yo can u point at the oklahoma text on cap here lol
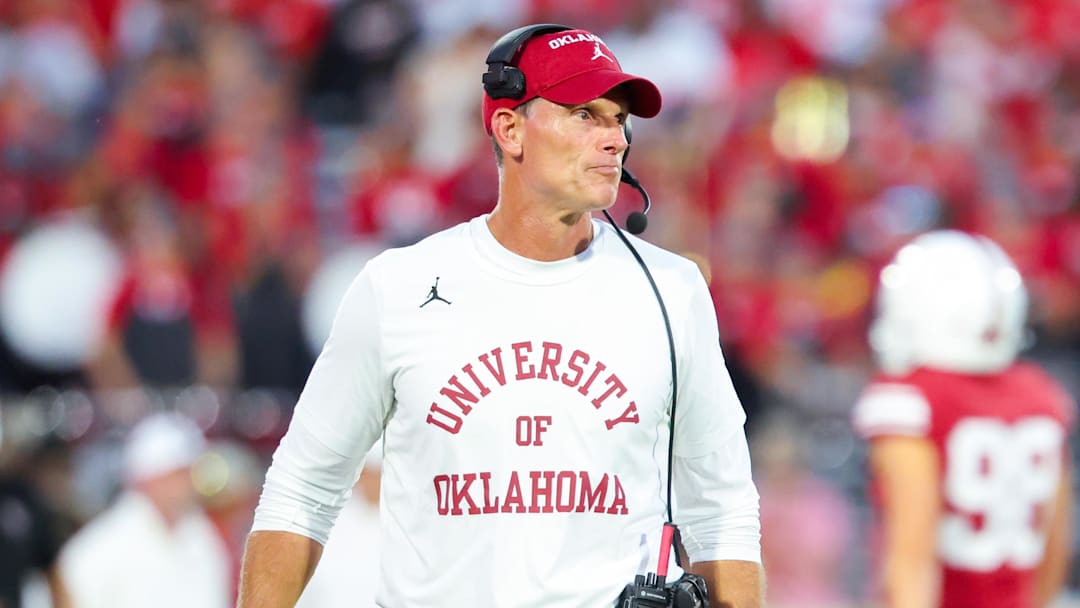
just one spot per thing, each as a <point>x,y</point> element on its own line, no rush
<point>573,67</point>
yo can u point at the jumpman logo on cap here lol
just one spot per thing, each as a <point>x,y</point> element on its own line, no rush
<point>434,295</point>
<point>598,52</point>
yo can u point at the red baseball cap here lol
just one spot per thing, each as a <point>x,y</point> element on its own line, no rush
<point>572,67</point>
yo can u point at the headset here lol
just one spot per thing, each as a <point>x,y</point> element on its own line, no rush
<point>503,80</point>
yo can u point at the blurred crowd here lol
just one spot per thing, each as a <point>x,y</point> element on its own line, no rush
<point>212,159</point>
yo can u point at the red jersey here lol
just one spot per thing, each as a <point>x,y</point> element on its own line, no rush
<point>1001,441</point>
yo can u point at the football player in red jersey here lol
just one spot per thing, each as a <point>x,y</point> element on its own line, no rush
<point>968,446</point>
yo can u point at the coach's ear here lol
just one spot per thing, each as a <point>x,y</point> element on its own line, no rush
<point>506,128</point>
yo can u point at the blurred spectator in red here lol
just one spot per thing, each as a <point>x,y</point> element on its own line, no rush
<point>397,200</point>
<point>765,55</point>
<point>161,328</point>
<point>1056,280</point>
<point>154,546</point>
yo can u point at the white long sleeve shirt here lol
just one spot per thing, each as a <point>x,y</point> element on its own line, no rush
<point>524,417</point>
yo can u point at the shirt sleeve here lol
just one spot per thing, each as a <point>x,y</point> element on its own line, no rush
<point>708,408</point>
<point>716,501</point>
<point>889,408</point>
<point>339,416</point>
<point>717,505</point>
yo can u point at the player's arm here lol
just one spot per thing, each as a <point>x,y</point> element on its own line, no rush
<point>1050,575</point>
<point>907,470</point>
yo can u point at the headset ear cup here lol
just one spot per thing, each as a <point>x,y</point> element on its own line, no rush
<point>494,80</point>
<point>514,82</point>
<point>502,79</point>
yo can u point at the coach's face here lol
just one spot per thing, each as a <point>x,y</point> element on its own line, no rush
<point>572,154</point>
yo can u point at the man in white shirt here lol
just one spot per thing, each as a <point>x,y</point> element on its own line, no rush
<point>516,367</point>
<point>153,546</point>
